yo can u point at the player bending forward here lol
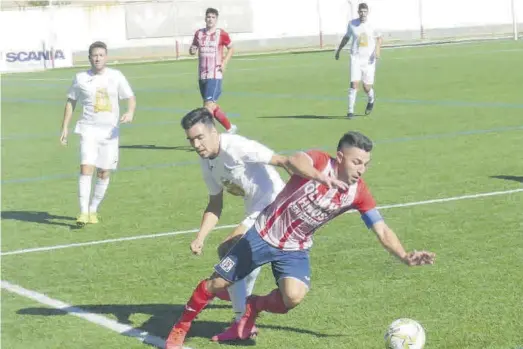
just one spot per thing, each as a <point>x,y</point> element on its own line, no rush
<point>321,189</point>
<point>242,167</point>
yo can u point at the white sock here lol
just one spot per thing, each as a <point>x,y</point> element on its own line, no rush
<point>371,95</point>
<point>99,192</point>
<point>251,279</point>
<point>238,294</point>
<point>352,99</point>
<point>84,192</point>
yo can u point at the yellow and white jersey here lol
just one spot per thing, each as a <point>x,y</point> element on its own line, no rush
<point>364,37</point>
<point>99,95</point>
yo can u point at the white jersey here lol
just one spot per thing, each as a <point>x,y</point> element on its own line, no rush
<point>363,37</point>
<point>100,94</point>
<point>242,169</point>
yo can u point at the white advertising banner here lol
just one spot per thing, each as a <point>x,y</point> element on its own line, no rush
<point>34,59</point>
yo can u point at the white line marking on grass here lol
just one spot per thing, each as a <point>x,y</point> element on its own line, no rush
<point>149,236</point>
<point>99,242</point>
<point>113,325</point>
<point>155,76</point>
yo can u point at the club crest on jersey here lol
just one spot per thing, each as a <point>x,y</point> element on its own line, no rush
<point>233,188</point>
<point>227,264</point>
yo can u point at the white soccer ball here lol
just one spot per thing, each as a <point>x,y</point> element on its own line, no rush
<point>405,334</point>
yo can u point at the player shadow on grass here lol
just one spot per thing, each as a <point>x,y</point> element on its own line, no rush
<point>156,147</point>
<point>308,116</point>
<point>509,178</point>
<point>40,217</point>
<point>162,318</point>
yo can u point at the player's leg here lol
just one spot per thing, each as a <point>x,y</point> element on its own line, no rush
<point>237,263</point>
<point>106,162</point>
<point>225,246</point>
<point>355,78</point>
<point>368,86</point>
<point>201,296</point>
<point>292,272</point>
<point>212,92</point>
<point>88,155</point>
<point>241,289</point>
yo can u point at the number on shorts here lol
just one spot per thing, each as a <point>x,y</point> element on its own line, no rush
<point>103,102</point>
<point>363,40</point>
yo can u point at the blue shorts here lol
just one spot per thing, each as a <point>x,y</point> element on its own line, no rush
<point>210,89</point>
<point>251,252</point>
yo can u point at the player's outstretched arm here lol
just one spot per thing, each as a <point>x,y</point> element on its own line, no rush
<point>210,218</point>
<point>390,241</point>
<point>300,164</point>
<point>68,114</point>
<point>281,161</point>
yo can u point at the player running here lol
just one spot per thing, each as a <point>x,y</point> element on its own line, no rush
<point>209,43</point>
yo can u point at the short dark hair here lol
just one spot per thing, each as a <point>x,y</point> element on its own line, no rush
<point>363,6</point>
<point>97,44</point>
<point>211,10</point>
<point>355,139</point>
<point>196,116</point>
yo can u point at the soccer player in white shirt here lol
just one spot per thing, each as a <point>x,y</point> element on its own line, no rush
<point>98,90</point>
<point>365,51</point>
<point>242,167</point>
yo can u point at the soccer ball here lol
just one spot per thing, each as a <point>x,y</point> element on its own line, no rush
<point>405,334</point>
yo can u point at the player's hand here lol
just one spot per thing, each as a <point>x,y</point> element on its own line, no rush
<point>331,182</point>
<point>192,49</point>
<point>337,55</point>
<point>63,136</point>
<point>197,246</point>
<point>420,258</point>
<point>126,118</point>
<point>223,67</point>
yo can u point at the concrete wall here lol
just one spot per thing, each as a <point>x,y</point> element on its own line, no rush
<point>277,24</point>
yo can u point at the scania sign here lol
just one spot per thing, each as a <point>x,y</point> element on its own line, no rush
<point>24,56</point>
<point>31,59</point>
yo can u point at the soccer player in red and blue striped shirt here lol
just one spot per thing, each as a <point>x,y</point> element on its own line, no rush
<point>210,42</point>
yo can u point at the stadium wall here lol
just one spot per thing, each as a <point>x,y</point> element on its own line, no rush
<point>272,25</point>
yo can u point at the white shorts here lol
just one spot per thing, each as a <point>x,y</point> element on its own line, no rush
<point>258,204</point>
<point>250,219</point>
<point>362,70</point>
<point>99,149</point>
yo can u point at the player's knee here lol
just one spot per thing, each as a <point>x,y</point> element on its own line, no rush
<point>367,87</point>
<point>354,84</point>
<point>210,105</point>
<point>292,297</point>
<point>216,283</point>
<point>103,174</point>
<point>87,170</point>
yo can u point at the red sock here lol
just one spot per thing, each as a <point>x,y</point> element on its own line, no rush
<point>199,299</point>
<point>273,303</point>
<point>222,118</point>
